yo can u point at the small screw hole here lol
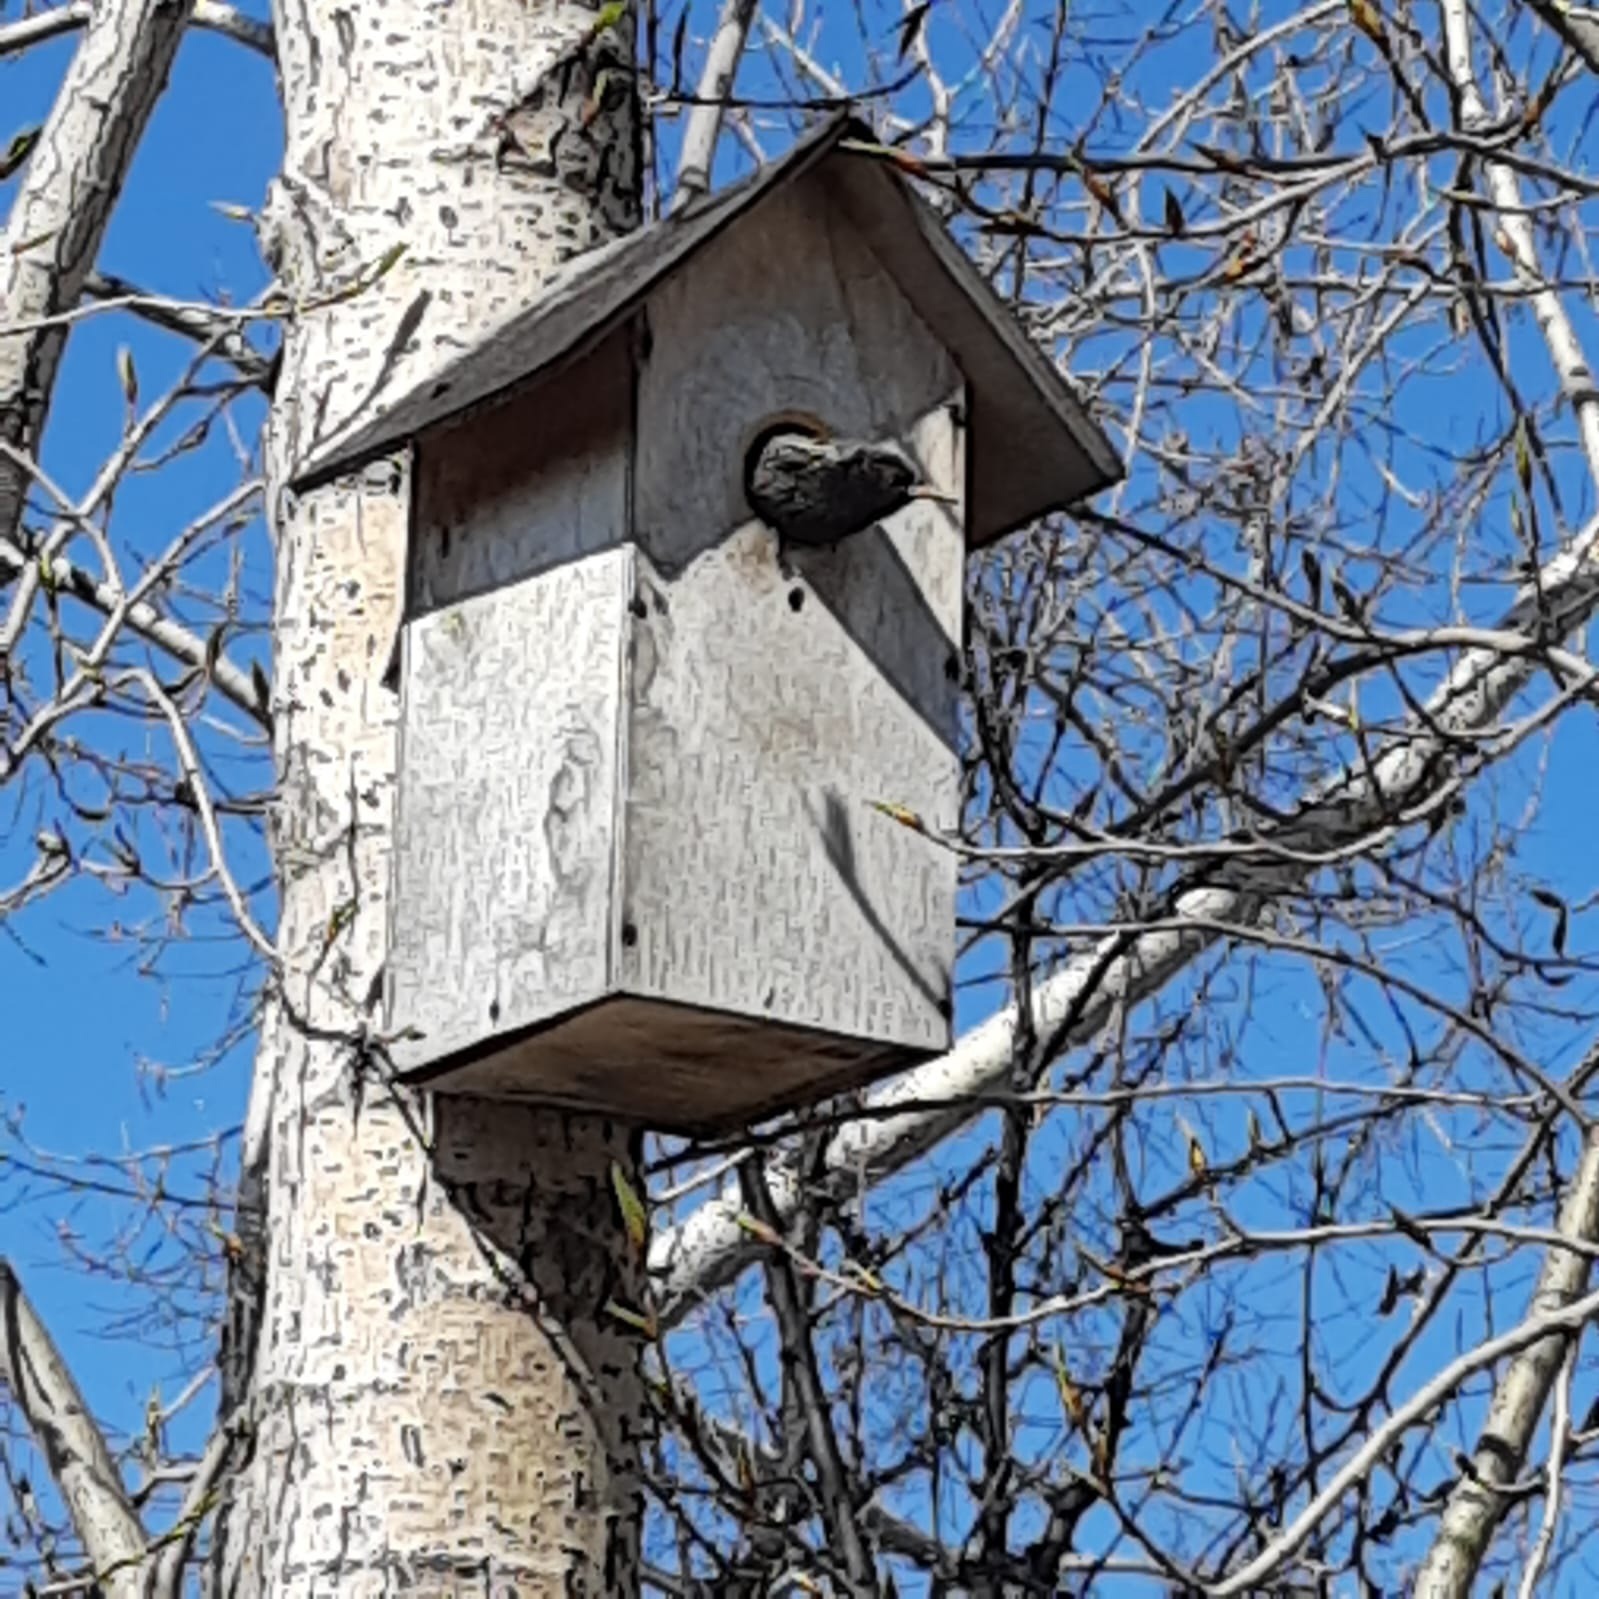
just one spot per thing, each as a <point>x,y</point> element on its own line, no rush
<point>629,934</point>
<point>494,1010</point>
<point>796,599</point>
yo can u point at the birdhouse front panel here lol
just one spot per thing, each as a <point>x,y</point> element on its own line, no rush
<point>506,822</point>
<point>511,683</point>
<point>779,690</point>
<point>525,486</point>
<point>759,878</point>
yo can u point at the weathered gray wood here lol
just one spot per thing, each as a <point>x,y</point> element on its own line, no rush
<point>790,313</point>
<point>638,866</point>
<point>508,796</point>
<point>1034,448</point>
<point>659,888</point>
<point>669,1066</point>
<point>521,487</point>
<point>769,708</point>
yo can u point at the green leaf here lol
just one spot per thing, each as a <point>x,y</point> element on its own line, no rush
<point>758,1229</point>
<point>643,1321</point>
<point>387,262</point>
<point>902,814</point>
<point>1523,456</point>
<point>609,15</point>
<point>18,150</point>
<point>635,1218</point>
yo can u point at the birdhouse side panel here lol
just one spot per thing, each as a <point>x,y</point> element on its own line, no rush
<point>526,484</point>
<point>907,564</point>
<point>771,704</point>
<point>787,314</point>
<point>508,800</point>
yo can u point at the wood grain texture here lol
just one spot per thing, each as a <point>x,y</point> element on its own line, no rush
<point>638,868</point>
<point>524,486</point>
<point>506,823</point>
<point>771,703</point>
<point>789,312</point>
<point>674,1067</point>
<point>1036,449</point>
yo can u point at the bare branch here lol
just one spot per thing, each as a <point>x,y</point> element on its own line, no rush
<point>1541,1327</point>
<point>192,322</point>
<point>709,1248</point>
<point>189,761</point>
<point>704,122</point>
<point>212,15</point>
<point>177,1545</point>
<point>1575,373</point>
<point>142,618</point>
<point>1577,25</point>
<point>1475,1506</point>
<point>1559,1438</point>
<point>72,182</point>
<point>79,1460</point>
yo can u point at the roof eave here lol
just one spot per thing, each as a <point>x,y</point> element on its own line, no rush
<point>1040,421</point>
<point>694,228</point>
<point>1034,408</point>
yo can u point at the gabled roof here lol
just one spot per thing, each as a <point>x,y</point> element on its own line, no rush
<point>1033,448</point>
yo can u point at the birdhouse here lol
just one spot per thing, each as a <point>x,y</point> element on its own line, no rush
<point>680,659</point>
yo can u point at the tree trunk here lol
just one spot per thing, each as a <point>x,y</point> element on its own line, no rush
<point>432,1391</point>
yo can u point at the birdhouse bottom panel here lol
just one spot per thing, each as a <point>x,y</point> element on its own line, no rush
<point>668,1066</point>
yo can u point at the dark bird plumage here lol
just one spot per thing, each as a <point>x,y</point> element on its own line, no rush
<point>812,490</point>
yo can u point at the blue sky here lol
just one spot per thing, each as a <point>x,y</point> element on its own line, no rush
<point>80,1021</point>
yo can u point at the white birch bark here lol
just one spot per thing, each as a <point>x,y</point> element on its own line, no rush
<point>227,20</point>
<point>1474,1508</point>
<point>704,123</point>
<point>73,178</point>
<point>436,1395</point>
<point>69,1438</point>
<point>1473,1512</point>
<point>52,235</point>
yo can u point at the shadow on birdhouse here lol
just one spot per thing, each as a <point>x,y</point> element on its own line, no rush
<point>684,597</point>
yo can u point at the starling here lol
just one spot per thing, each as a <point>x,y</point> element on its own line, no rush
<point>814,490</point>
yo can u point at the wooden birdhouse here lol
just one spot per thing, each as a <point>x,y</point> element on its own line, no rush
<point>637,867</point>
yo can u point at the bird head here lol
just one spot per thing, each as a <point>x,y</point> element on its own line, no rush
<point>812,488</point>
